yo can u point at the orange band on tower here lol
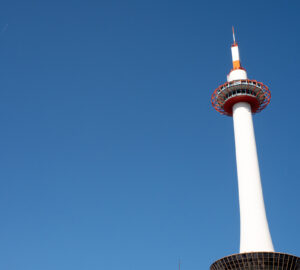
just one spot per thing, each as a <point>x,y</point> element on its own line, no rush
<point>236,64</point>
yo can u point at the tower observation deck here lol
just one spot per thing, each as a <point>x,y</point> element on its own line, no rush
<point>240,97</point>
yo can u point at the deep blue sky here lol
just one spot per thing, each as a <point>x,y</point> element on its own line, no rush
<point>111,154</point>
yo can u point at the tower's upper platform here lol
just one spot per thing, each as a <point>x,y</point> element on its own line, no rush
<point>239,88</point>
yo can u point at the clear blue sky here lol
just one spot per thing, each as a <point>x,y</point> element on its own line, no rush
<point>111,154</point>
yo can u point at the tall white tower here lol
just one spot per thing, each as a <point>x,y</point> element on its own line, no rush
<point>240,97</point>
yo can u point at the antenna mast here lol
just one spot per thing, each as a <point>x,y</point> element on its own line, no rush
<point>233,35</point>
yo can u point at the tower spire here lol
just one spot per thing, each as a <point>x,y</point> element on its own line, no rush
<point>235,53</point>
<point>233,35</point>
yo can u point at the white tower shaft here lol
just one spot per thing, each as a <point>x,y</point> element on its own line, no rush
<point>254,229</point>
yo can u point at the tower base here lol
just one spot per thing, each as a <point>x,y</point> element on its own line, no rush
<point>258,261</point>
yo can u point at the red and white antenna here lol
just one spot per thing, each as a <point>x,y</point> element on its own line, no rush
<point>236,62</point>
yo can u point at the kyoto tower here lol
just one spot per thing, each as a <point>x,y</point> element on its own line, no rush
<point>240,97</point>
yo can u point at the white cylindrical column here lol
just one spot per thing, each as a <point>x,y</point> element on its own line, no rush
<point>255,234</point>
